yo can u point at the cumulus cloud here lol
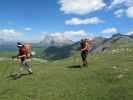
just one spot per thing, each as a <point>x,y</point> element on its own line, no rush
<point>129,12</point>
<point>116,3</point>
<point>72,35</point>
<point>81,7</point>
<point>119,13</point>
<point>9,34</point>
<point>128,4</point>
<point>77,21</point>
<point>28,29</point>
<point>110,30</point>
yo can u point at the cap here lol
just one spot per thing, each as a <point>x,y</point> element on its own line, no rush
<point>19,44</point>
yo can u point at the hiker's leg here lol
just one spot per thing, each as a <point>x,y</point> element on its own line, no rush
<point>83,58</point>
<point>87,53</point>
<point>20,69</point>
<point>28,66</point>
<point>85,61</point>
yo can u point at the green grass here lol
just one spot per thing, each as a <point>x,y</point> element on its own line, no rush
<point>7,53</point>
<point>108,77</point>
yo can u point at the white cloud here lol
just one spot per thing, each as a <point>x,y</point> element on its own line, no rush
<point>110,30</point>
<point>116,2</point>
<point>28,29</point>
<point>129,12</point>
<point>77,21</point>
<point>126,3</point>
<point>81,7</point>
<point>130,33</point>
<point>9,34</point>
<point>119,13</point>
<point>72,35</point>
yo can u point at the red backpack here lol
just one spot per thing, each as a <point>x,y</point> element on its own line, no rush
<point>28,47</point>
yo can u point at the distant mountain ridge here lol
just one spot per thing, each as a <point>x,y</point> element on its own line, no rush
<point>116,41</point>
<point>99,45</point>
<point>58,48</point>
<point>7,45</point>
<point>11,45</point>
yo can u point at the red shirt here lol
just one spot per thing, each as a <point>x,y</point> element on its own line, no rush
<point>23,51</point>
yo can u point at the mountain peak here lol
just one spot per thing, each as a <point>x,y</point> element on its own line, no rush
<point>131,35</point>
<point>117,35</point>
<point>51,40</point>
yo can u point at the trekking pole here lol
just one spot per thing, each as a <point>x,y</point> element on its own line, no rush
<point>11,71</point>
<point>16,60</point>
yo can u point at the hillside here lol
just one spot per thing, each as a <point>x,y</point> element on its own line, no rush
<point>108,77</point>
<point>56,53</point>
<point>117,41</point>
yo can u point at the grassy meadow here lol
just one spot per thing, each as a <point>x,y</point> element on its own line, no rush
<point>108,77</point>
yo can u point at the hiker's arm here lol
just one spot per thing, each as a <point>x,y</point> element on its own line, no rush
<point>13,57</point>
<point>83,49</point>
<point>21,56</point>
<point>17,56</point>
<point>86,47</point>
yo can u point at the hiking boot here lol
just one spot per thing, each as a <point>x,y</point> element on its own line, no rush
<point>17,76</point>
<point>85,65</point>
<point>30,72</point>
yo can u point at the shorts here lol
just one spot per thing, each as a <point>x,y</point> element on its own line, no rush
<point>84,55</point>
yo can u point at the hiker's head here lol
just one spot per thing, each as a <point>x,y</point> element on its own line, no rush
<point>86,40</point>
<point>20,45</point>
<point>82,40</point>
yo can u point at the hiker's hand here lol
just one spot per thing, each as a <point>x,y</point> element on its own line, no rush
<point>81,50</point>
<point>13,57</point>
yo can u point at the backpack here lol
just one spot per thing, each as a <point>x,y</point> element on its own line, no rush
<point>89,45</point>
<point>28,47</point>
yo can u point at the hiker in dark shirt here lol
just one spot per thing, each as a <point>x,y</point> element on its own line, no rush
<point>85,45</point>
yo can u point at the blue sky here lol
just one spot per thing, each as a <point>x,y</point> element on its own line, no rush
<point>33,19</point>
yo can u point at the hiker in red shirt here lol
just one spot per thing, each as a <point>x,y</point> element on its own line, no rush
<point>22,55</point>
<point>84,48</point>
